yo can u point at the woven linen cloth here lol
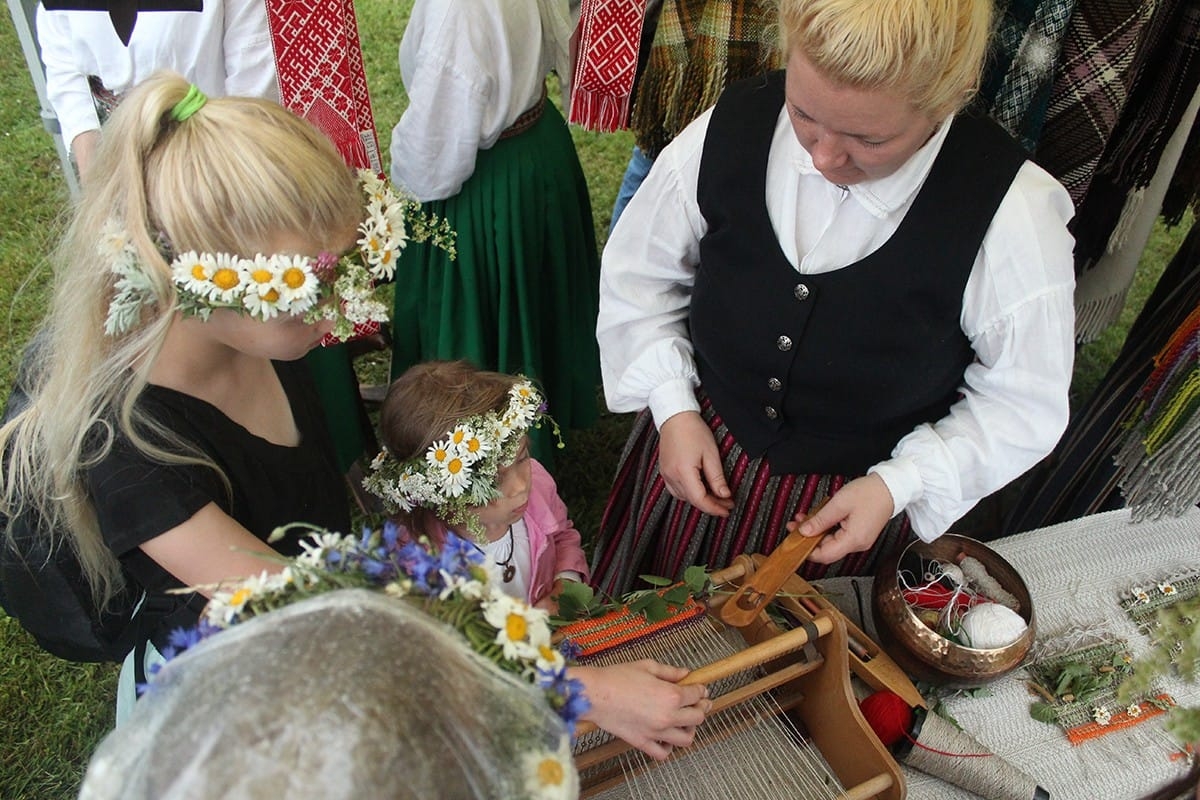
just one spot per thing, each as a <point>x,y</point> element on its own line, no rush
<point>1076,573</point>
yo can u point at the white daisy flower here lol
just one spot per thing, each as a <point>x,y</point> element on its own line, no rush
<point>1133,710</point>
<point>511,619</point>
<point>464,586</point>
<point>226,280</point>
<point>1141,596</point>
<point>226,604</point>
<point>193,272</point>
<point>454,475</point>
<point>550,658</point>
<point>551,775</point>
<point>374,235</point>
<point>262,307</point>
<point>298,284</point>
<point>1101,715</point>
<point>1167,588</point>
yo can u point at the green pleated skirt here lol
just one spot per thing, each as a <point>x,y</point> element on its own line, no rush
<point>523,292</point>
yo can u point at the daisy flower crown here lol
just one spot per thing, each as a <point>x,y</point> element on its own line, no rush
<point>458,472</point>
<point>266,286</point>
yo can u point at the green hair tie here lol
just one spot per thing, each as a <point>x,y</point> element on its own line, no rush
<point>190,104</point>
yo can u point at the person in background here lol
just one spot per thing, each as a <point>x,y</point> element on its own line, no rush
<point>223,46</point>
<point>833,284</point>
<point>691,50</point>
<point>482,146</point>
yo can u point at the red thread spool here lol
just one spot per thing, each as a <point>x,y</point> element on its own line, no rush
<point>888,715</point>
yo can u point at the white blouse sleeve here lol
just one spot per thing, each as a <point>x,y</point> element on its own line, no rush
<point>249,55</point>
<point>435,143</point>
<point>1018,313</point>
<point>66,85</point>
<point>646,276</point>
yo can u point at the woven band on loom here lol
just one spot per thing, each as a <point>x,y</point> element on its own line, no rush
<point>624,628</point>
<point>1119,721</point>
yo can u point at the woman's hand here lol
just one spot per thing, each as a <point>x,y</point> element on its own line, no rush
<point>691,465</point>
<point>641,703</point>
<point>854,518</point>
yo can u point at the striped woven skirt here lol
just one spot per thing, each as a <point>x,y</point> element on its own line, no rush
<point>646,531</point>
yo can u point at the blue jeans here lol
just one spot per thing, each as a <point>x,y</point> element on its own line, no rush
<point>635,173</point>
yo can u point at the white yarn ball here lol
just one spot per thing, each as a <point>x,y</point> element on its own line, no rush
<point>990,625</point>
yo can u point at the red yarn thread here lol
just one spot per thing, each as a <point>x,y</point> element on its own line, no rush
<point>892,720</point>
<point>888,715</point>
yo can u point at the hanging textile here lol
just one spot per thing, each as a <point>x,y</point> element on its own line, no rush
<point>1021,66</point>
<point>1127,74</point>
<point>1167,77</point>
<point>1184,191</point>
<point>1080,476</point>
<point>1160,470</point>
<point>1101,290</point>
<point>1095,74</point>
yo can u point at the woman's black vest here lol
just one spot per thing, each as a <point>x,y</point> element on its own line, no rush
<point>826,373</point>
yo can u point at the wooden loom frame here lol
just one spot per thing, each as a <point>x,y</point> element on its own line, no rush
<point>817,691</point>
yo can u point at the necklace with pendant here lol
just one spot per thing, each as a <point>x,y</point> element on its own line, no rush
<point>509,568</point>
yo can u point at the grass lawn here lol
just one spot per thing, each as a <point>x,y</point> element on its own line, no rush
<point>54,712</point>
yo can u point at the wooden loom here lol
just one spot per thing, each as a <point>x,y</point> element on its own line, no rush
<point>785,720</point>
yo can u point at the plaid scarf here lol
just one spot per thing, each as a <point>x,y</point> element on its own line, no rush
<point>1096,72</point>
<point>700,47</point>
<point>609,33</point>
<point>1015,89</point>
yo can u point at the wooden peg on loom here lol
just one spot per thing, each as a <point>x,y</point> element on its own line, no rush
<point>760,589</point>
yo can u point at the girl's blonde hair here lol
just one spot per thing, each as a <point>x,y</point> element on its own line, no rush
<point>229,178</point>
<point>424,404</point>
<point>930,52</point>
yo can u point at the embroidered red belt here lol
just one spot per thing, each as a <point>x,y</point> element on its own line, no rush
<point>527,119</point>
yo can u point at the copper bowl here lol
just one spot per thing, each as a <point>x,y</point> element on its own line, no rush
<point>923,652</point>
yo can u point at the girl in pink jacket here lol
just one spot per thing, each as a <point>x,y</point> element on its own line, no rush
<point>457,458</point>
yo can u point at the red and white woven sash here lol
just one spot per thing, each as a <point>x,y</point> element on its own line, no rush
<point>609,35</point>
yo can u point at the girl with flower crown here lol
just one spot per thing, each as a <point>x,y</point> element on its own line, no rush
<point>457,459</point>
<point>170,427</point>
<point>461,462</point>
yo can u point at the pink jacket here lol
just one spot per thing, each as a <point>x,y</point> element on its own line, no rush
<point>554,544</point>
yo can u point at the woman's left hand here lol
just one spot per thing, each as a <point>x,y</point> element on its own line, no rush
<point>853,517</point>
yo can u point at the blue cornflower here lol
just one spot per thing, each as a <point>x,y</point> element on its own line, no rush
<point>391,536</point>
<point>566,695</point>
<point>570,649</point>
<point>458,555</point>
